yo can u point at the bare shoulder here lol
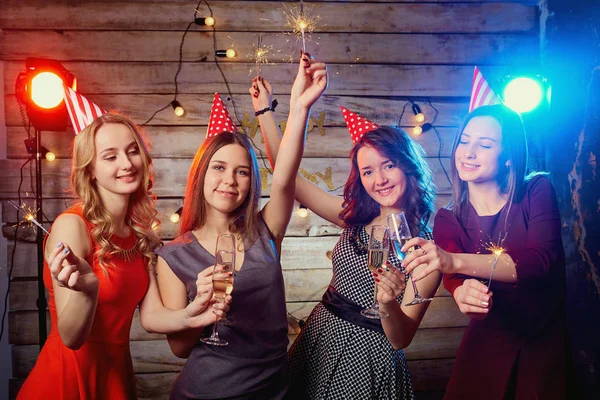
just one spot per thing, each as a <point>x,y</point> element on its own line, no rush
<point>70,229</point>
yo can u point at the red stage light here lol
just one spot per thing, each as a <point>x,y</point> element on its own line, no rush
<point>47,90</point>
<point>41,90</point>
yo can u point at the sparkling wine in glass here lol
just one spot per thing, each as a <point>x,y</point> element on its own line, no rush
<point>379,247</point>
<point>222,280</point>
<point>400,234</point>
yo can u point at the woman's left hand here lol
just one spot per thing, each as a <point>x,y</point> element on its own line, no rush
<point>310,82</point>
<point>262,93</point>
<point>430,254</point>
<point>390,283</point>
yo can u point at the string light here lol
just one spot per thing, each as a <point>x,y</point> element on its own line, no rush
<point>419,116</point>
<point>176,215</point>
<point>417,130</point>
<point>207,21</point>
<point>50,156</point>
<point>229,53</point>
<point>177,108</point>
<point>302,211</point>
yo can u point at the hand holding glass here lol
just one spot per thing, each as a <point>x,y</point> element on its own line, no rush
<point>400,234</point>
<point>379,247</point>
<point>223,272</point>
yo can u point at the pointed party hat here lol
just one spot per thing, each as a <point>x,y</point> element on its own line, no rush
<point>220,120</point>
<point>482,93</point>
<point>81,111</point>
<point>357,125</point>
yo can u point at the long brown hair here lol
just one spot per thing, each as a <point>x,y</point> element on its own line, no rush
<point>141,214</point>
<point>360,208</point>
<point>245,217</point>
<point>511,178</point>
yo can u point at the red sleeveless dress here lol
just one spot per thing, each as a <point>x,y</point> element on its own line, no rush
<point>102,368</point>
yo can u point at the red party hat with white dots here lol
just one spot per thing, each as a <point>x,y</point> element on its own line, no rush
<point>357,125</point>
<point>220,120</point>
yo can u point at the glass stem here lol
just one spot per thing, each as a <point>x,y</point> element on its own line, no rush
<point>215,334</point>
<point>414,285</point>
<point>375,302</point>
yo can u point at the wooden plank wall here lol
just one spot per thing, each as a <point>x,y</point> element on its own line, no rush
<point>380,54</point>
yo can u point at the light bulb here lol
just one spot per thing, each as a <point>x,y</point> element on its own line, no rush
<point>230,53</point>
<point>417,130</point>
<point>50,156</point>
<point>174,218</point>
<point>420,117</point>
<point>209,21</point>
<point>302,211</point>
<point>177,108</point>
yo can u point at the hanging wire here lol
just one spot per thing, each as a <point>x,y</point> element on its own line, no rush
<point>437,133</point>
<point>14,249</point>
<point>179,64</point>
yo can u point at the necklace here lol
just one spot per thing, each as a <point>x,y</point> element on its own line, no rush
<point>127,254</point>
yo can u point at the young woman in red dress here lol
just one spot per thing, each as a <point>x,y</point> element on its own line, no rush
<point>100,265</point>
<point>517,333</point>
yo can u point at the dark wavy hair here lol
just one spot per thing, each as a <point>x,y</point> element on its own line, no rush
<point>512,178</point>
<point>359,208</point>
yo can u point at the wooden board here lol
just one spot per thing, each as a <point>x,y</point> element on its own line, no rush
<point>383,111</point>
<point>233,16</point>
<point>183,141</point>
<point>301,285</point>
<point>170,176</point>
<point>155,356</point>
<point>299,227</point>
<point>345,79</point>
<point>442,313</point>
<point>348,48</point>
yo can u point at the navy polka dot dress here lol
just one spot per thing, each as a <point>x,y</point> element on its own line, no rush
<point>335,359</point>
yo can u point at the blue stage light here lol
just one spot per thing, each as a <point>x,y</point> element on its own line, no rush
<point>523,94</point>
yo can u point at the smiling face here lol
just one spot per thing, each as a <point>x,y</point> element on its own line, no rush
<point>228,178</point>
<point>478,154</point>
<point>385,182</point>
<point>117,167</point>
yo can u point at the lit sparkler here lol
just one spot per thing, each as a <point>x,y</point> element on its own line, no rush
<point>497,250</point>
<point>301,22</point>
<point>261,55</point>
<point>28,215</point>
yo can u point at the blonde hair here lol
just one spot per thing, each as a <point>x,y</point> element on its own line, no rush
<point>141,214</point>
<point>245,217</point>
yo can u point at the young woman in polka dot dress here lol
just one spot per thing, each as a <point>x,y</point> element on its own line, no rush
<point>340,354</point>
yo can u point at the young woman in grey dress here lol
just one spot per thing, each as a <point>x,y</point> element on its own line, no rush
<point>339,354</point>
<point>222,196</point>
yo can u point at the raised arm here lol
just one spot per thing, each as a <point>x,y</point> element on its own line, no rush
<point>74,284</point>
<point>309,84</point>
<point>319,201</point>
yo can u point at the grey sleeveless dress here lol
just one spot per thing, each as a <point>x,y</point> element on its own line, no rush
<point>253,365</point>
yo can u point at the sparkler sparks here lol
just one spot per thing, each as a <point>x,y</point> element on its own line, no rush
<point>301,23</point>
<point>28,215</point>
<point>497,250</point>
<point>261,55</point>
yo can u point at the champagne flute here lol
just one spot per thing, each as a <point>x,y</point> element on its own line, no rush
<point>379,247</point>
<point>222,280</point>
<point>400,235</point>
